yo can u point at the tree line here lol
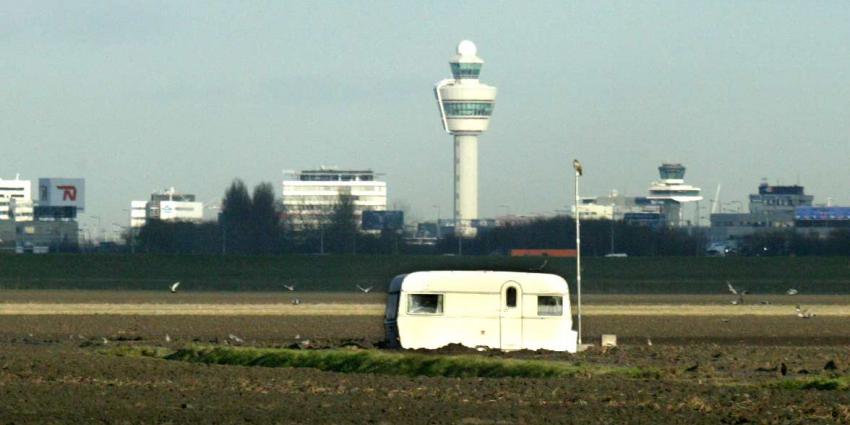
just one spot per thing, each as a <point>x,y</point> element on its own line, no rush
<point>255,223</point>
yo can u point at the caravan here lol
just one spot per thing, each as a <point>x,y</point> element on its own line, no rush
<point>501,310</point>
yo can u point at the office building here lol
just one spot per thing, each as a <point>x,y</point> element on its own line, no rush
<point>310,197</point>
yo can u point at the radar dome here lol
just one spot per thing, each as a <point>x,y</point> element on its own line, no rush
<point>466,48</point>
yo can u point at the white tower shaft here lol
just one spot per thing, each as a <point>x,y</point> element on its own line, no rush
<point>466,181</point>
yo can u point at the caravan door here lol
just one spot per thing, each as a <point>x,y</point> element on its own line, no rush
<point>510,316</point>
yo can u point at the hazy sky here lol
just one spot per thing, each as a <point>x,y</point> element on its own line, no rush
<point>138,96</point>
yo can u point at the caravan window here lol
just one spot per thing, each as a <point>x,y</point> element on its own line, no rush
<point>548,305</point>
<point>425,303</point>
<point>510,297</point>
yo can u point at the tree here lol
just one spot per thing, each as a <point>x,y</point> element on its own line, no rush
<point>235,219</point>
<point>341,231</point>
<point>265,219</point>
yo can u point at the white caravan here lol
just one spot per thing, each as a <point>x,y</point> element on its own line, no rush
<point>503,310</point>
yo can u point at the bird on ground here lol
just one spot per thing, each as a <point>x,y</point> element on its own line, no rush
<point>167,338</point>
<point>364,290</point>
<point>296,301</point>
<point>783,369</point>
<point>104,340</point>
<point>235,338</point>
<point>289,287</point>
<point>804,313</point>
<point>648,342</point>
<point>791,291</point>
<point>540,267</point>
<point>174,286</point>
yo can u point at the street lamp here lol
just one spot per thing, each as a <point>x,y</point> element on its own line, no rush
<point>579,172</point>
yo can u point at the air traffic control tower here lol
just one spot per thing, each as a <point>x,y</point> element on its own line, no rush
<point>465,108</point>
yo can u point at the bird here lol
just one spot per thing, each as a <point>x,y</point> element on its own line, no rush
<point>540,267</point>
<point>296,301</point>
<point>235,338</point>
<point>791,291</point>
<point>577,167</point>
<point>804,313</point>
<point>648,342</point>
<point>739,292</point>
<point>167,338</point>
<point>289,287</point>
<point>174,286</point>
<point>364,290</point>
<point>783,369</point>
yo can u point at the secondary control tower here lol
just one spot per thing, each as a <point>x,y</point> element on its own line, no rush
<point>465,108</point>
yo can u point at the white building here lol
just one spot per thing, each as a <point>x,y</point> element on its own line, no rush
<point>16,199</point>
<point>465,108</point>
<point>167,206</point>
<point>672,192</point>
<point>310,197</point>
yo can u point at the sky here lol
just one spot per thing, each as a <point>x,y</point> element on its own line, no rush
<point>138,96</point>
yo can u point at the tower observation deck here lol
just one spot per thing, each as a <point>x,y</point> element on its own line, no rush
<point>465,109</point>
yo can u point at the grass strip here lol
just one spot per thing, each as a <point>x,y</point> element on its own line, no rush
<point>374,361</point>
<point>821,383</point>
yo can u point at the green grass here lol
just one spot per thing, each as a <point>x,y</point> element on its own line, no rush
<point>650,275</point>
<point>817,383</point>
<point>374,361</point>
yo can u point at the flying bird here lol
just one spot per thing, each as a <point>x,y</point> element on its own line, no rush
<point>804,313</point>
<point>174,286</point>
<point>289,287</point>
<point>235,338</point>
<point>364,290</point>
<point>540,267</point>
<point>577,167</point>
<point>739,292</point>
<point>791,291</point>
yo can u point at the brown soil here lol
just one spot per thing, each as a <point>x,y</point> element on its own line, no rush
<point>713,371</point>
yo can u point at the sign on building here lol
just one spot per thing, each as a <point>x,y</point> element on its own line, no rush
<point>62,192</point>
<point>382,220</point>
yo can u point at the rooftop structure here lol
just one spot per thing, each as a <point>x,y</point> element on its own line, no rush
<point>671,192</point>
<point>465,109</point>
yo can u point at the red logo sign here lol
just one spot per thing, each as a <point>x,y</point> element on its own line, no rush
<point>69,193</point>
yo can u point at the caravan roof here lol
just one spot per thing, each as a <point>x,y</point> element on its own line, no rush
<point>477,281</point>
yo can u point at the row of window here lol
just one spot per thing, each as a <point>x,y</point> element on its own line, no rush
<point>466,70</point>
<point>547,305</point>
<point>468,109</point>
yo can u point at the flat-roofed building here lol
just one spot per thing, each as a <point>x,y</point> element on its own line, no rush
<point>15,194</point>
<point>168,205</point>
<point>310,197</point>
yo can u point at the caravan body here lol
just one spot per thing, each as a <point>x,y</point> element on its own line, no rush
<point>501,310</point>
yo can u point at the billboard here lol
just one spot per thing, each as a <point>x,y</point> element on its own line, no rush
<point>176,210</point>
<point>62,192</point>
<point>382,220</point>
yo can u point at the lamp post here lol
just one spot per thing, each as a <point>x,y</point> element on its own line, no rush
<point>579,172</point>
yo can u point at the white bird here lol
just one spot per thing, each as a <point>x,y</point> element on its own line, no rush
<point>235,338</point>
<point>803,313</point>
<point>791,291</point>
<point>174,286</point>
<point>540,267</point>
<point>105,341</point>
<point>167,338</point>
<point>739,292</point>
<point>648,342</point>
<point>364,290</point>
<point>289,287</point>
<point>296,301</point>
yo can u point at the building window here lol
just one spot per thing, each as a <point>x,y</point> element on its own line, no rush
<point>548,305</point>
<point>466,70</point>
<point>468,109</point>
<point>510,297</point>
<point>425,303</point>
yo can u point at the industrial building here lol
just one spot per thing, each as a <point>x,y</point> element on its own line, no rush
<point>773,207</point>
<point>465,109</point>
<point>310,197</point>
<point>46,224</point>
<point>168,205</point>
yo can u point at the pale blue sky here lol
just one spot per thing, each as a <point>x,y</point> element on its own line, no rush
<point>138,96</point>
